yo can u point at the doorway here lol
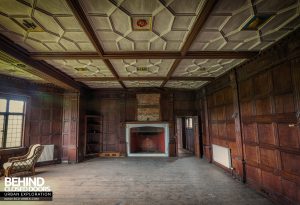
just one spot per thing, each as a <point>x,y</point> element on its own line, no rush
<point>188,136</point>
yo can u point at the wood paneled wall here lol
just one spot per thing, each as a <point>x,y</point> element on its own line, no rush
<point>254,110</point>
<point>119,107</point>
<point>43,115</point>
<point>70,130</point>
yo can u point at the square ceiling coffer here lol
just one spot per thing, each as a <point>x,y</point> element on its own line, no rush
<point>141,23</point>
<point>257,22</point>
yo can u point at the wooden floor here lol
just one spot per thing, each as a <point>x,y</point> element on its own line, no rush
<point>141,181</point>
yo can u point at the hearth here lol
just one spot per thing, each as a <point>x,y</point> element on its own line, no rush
<point>148,139</point>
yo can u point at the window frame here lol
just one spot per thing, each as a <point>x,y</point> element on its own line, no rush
<point>6,115</point>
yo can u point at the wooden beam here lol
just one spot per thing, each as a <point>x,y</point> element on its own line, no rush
<point>38,68</point>
<point>114,72</point>
<point>145,55</point>
<point>85,24</point>
<point>144,78</point>
<point>220,54</point>
<point>142,55</point>
<point>64,55</point>
<point>171,71</point>
<point>209,4</point>
<point>193,78</point>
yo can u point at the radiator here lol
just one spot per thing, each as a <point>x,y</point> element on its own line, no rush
<point>47,154</point>
<point>221,155</point>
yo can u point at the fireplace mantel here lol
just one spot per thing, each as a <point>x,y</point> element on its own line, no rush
<point>165,140</point>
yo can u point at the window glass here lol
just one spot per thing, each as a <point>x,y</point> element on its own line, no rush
<point>16,106</point>
<point>14,131</point>
<point>3,105</point>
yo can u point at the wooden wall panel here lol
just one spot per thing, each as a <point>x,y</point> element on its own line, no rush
<point>271,136</point>
<point>70,128</point>
<point>119,107</point>
<point>266,112</point>
<point>43,116</point>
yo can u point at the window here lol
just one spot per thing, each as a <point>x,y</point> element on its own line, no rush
<point>189,122</point>
<point>12,112</point>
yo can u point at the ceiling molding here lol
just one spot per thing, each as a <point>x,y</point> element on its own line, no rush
<point>145,55</point>
<point>144,78</point>
<point>209,4</point>
<point>85,24</point>
<point>39,68</point>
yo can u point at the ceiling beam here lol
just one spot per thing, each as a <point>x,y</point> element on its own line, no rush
<point>207,8</point>
<point>209,4</point>
<point>84,79</point>
<point>88,29</point>
<point>114,72</point>
<point>85,24</point>
<point>145,55</point>
<point>38,68</point>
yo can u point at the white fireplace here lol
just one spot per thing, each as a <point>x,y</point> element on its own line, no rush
<point>147,139</point>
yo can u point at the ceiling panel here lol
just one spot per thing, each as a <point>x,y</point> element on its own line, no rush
<point>224,28</point>
<point>169,22</point>
<point>184,84</point>
<point>142,67</point>
<point>11,67</point>
<point>103,84</point>
<point>142,84</point>
<point>82,68</point>
<point>53,26</point>
<point>205,67</point>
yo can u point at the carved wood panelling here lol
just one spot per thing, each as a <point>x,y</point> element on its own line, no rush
<point>271,143</point>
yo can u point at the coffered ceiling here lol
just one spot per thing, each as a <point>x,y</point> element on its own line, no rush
<point>12,67</point>
<point>170,23</point>
<point>57,30</point>
<point>142,67</point>
<point>224,28</point>
<point>139,43</point>
<point>205,67</point>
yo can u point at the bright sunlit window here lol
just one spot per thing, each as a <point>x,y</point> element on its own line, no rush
<point>12,112</point>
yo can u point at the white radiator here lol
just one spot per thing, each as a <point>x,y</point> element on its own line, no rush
<point>47,154</point>
<point>221,155</point>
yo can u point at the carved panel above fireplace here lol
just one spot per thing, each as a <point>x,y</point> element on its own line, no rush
<point>148,108</point>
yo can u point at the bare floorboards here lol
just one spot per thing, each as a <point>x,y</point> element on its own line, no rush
<point>143,181</point>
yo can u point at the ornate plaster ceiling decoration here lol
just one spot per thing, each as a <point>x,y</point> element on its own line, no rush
<point>82,68</point>
<point>103,84</point>
<point>142,84</point>
<point>205,67</point>
<point>224,28</point>
<point>142,67</point>
<point>172,20</point>
<point>42,26</point>
<point>185,84</point>
<point>11,67</point>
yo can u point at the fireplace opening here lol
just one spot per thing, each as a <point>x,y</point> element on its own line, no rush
<point>147,139</point>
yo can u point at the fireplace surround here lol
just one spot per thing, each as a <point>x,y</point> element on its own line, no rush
<point>147,139</point>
